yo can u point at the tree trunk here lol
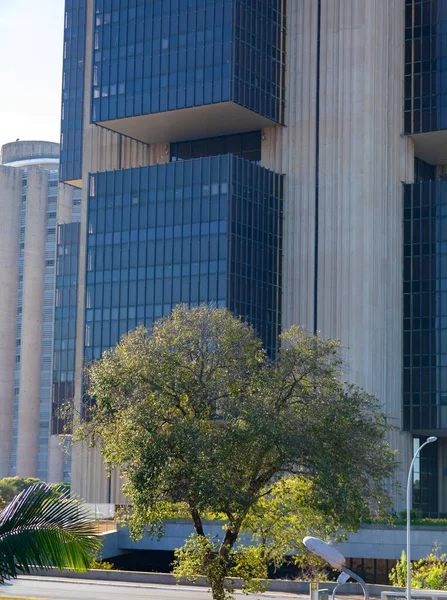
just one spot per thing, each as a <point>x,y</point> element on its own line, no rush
<point>219,567</point>
<point>218,588</point>
<point>197,521</point>
<point>217,563</point>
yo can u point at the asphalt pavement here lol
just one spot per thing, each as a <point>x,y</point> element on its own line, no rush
<point>76,589</point>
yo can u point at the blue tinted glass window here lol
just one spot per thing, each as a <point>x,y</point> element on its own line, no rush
<point>189,54</point>
<point>73,90</point>
<point>196,211</point>
<point>425,66</point>
<point>65,321</point>
<point>246,145</point>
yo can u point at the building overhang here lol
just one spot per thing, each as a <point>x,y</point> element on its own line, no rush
<point>77,183</point>
<point>197,122</point>
<point>431,147</point>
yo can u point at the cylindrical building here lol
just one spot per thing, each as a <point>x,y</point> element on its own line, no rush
<point>29,191</point>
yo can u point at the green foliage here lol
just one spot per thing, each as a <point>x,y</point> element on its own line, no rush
<point>196,412</point>
<point>425,521</point>
<point>429,573</point>
<point>280,519</point>
<point>101,564</point>
<point>415,515</point>
<point>11,486</point>
<point>401,519</point>
<point>42,527</point>
<point>398,574</point>
<point>200,555</point>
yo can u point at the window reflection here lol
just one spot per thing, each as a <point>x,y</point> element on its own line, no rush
<point>218,241</point>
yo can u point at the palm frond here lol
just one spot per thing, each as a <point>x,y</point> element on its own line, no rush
<point>43,527</point>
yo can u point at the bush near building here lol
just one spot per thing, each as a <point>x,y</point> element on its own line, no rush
<point>429,573</point>
<point>11,486</point>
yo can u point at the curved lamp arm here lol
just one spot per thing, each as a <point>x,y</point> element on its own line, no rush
<point>430,440</point>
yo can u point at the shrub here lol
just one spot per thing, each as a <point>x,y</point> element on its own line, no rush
<point>101,564</point>
<point>11,486</point>
<point>398,575</point>
<point>429,573</point>
<point>415,515</point>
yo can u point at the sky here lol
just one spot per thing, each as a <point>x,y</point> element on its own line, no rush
<point>31,40</point>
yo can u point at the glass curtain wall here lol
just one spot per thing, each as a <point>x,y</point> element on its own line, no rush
<point>206,230</point>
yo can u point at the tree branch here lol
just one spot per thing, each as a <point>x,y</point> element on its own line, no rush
<point>196,520</point>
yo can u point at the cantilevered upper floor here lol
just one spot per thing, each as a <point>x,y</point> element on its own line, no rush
<point>168,71</point>
<point>176,70</point>
<point>425,106</point>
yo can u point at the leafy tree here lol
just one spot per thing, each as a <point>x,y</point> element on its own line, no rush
<point>43,527</point>
<point>11,486</point>
<point>197,412</point>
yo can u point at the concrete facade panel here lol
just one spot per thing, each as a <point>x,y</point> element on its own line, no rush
<point>10,199</point>
<point>362,161</point>
<point>32,319</point>
<point>56,459</point>
<point>292,151</point>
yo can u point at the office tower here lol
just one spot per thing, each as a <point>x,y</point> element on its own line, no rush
<point>301,123</point>
<point>32,201</point>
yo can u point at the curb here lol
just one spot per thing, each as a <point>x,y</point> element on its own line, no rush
<point>273,585</point>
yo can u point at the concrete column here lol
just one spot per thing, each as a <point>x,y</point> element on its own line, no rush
<point>32,318</point>
<point>361,213</point>
<point>292,150</point>
<point>363,160</point>
<point>56,460</point>
<point>64,203</point>
<point>159,153</point>
<point>442,474</point>
<point>10,199</point>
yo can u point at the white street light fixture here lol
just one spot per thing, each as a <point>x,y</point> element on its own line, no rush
<point>430,440</point>
<point>343,578</point>
<point>325,551</point>
<point>336,560</point>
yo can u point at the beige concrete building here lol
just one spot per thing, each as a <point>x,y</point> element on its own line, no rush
<point>340,99</point>
<point>29,186</point>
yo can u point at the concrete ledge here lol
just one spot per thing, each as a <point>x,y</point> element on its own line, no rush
<point>274,585</point>
<point>371,541</point>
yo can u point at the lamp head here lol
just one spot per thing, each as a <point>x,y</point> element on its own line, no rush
<point>431,439</point>
<point>324,550</point>
<point>343,578</point>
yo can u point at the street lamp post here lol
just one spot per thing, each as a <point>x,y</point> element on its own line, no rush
<point>336,560</point>
<point>430,440</point>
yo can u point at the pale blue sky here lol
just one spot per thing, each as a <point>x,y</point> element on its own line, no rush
<point>31,34</point>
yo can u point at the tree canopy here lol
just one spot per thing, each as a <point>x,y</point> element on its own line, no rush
<point>196,411</point>
<point>11,486</point>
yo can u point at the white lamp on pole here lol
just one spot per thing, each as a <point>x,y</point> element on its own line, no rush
<point>430,440</point>
<point>336,560</point>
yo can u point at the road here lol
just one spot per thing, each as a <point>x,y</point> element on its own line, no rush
<point>76,589</point>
